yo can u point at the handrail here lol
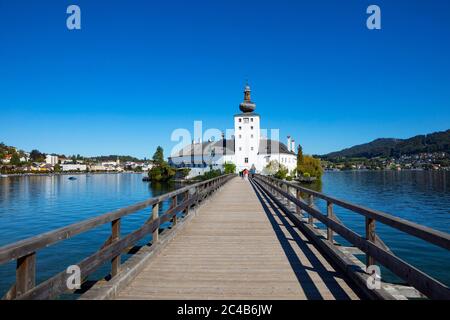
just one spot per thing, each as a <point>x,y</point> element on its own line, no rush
<point>371,245</point>
<point>24,251</point>
<point>436,237</point>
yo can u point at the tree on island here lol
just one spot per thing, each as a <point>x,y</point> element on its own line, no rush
<point>161,170</point>
<point>308,166</point>
<point>158,156</point>
<point>299,154</point>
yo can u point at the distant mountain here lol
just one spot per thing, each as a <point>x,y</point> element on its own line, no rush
<point>388,147</point>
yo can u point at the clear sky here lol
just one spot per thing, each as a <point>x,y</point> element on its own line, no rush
<point>137,70</point>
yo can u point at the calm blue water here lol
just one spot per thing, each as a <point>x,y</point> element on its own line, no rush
<point>418,196</point>
<point>35,204</point>
<point>32,205</point>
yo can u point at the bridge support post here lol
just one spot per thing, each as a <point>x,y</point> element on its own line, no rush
<point>370,236</point>
<point>330,215</point>
<point>186,198</point>
<point>155,215</point>
<point>298,210</point>
<point>25,274</point>
<point>310,204</point>
<point>115,236</point>
<point>173,205</point>
<point>286,189</point>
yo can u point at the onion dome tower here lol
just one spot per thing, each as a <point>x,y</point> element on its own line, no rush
<point>247,105</point>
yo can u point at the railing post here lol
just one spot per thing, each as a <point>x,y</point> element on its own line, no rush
<point>173,205</point>
<point>115,236</point>
<point>285,189</point>
<point>25,273</point>
<point>310,204</point>
<point>186,198</point>
<point>370,236</point>
<point>330,215</point>
<point>155,215</point>
<point>197,192</point>
<point>298,210</point>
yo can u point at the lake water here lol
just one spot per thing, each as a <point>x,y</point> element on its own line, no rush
<point>35,204</point>
<point>422,197</point>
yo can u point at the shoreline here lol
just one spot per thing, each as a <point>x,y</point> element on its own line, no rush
<point>7,175</point>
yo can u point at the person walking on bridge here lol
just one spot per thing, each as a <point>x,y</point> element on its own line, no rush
<point>245,174</point>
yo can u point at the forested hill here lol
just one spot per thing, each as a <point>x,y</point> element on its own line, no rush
<point>388,147</point>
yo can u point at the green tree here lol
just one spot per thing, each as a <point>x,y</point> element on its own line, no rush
<point>15,159</point>
<point>210,174</point>
<point>158,156</point>
<point>37,156</point>
<point>282,172</point>
<point>311,166</point>
<point>57,168</point>
<point>299,155</point>
<point>229,167</point>
<point>184,172</point>
<point>161,170</point>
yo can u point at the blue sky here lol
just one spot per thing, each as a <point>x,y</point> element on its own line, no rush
<point>137,70</point>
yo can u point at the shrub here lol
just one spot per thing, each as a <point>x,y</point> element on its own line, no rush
<point>229,167</point>
<point>282,173</point>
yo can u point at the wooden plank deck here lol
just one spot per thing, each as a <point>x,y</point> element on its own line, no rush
<point>239,246</point>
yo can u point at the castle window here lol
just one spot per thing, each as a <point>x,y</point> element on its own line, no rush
<point>251,136</point>
<point>246,160</point>
<point>240,119</point>
<point>251,148</point>
<point>251,119</point>
<point>240,148</point>
<point>240,128</point>
<point>245,120</point>
<point>240,136</point>
<point>251,127</point>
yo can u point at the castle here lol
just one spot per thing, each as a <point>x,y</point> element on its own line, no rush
<point>247,148</point>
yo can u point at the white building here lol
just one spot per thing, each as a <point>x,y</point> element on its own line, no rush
<point>73,167</point>
<point>49,159</point>
<point>247,149</point>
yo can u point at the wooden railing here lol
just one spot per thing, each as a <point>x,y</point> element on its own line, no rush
<point>370,244</point>
<point>24,251</point>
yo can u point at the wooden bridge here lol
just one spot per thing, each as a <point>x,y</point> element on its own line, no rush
<point>234,239</point>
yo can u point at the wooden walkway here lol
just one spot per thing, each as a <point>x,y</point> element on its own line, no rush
<point>239,246</point>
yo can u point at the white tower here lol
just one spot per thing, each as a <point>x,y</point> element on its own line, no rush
<point>247,134</point>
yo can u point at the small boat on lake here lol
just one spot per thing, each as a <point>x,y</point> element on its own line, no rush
<point>72,178</point>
